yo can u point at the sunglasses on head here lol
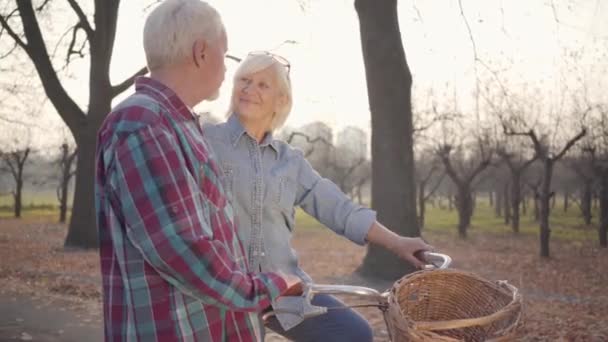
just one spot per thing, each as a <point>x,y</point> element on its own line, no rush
<point>284,62</point>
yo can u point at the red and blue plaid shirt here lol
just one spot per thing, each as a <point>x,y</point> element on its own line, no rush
<point>172,265</point>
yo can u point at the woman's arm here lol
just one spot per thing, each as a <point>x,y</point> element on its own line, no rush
<point>322,199</point>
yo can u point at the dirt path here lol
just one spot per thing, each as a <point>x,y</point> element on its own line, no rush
<point>35,319</point>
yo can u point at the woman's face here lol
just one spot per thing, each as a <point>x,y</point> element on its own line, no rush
<point>257,96</point>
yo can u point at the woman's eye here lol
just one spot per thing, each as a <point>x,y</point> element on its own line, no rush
<point>264,85</point>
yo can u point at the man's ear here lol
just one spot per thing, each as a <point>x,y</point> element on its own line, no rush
<point>199,49</point>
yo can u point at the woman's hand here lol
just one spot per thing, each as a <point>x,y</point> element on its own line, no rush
<point>404,247</point>
<point>410,249</point>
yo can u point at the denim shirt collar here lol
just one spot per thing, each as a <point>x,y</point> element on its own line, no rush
<point>236,130</point>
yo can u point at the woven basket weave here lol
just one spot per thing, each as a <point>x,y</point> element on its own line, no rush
<point>449,305</point>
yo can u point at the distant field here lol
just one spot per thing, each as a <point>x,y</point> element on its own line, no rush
<point>564,225</point>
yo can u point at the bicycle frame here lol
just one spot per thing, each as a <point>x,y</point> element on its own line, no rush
<point>380,299</point>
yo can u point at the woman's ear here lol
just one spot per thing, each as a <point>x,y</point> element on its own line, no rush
<point>282,100</point>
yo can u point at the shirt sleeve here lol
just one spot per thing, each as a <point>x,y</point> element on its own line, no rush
<point>322,199</point>
<point>164,212</point>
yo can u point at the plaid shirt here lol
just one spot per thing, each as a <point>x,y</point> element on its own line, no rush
<point>172,265</point>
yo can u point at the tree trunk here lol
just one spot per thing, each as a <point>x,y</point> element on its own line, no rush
<point>464,204</point>
<point>545,199</point>
<point>603,227</point>
<point>515,201</point>
<point>499,200</point>
<point>507,203</point>
<point>536,206</point>
<point>491,198</point>
<point>18,197</point>
<point>82,230</point>
<point>421,204</point>
<point>586,200</point>
<point>566,196</point>
<point>63,196</point>
<point>450,202</point>
<point>524,205</point>
<point>389,83</point>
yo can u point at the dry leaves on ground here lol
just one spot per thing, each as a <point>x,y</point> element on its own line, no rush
<point>565,296</point>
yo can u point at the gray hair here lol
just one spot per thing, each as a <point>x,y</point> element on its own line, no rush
<point>255,63</point>
<point>174,25</point>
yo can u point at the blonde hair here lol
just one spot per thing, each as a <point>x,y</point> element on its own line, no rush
<point>254,63</point>
<point>172,28</point>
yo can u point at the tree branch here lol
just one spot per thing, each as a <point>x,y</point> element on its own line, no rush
<point>570,143</point>
<point>84,22</point>
<point>42,6</point>
<point>308,139</point>
<point>432,192</point>
<point>124,85</point>
<point>67,108</point>
<point>9,30</point>
<point>71,50</point>
<point>444,155</point>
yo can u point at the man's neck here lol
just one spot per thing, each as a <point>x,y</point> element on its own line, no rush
<point>177,81</point>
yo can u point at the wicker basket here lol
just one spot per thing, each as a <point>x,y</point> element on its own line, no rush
<point>449,305</point>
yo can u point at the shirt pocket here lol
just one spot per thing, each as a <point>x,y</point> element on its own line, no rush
<point>286,192</point>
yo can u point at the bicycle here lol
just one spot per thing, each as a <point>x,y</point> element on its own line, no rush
<point>435,304</point>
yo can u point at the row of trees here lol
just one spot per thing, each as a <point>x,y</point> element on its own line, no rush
<point>24,165</point>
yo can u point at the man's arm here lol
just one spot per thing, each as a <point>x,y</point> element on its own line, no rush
<point>163,211</point>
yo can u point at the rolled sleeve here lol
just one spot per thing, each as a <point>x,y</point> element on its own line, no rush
<point>324,200</point>
<point>358,224</point>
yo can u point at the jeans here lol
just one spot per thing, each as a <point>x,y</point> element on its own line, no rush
<point>343,325</point>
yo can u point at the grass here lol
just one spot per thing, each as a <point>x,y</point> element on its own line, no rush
<point>564,225</point>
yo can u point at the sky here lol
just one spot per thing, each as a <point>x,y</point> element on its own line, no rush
<point>524,40</point>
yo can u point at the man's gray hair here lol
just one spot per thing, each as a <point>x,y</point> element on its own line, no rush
<point>172,28</point>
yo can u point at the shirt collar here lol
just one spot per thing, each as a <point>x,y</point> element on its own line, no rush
<point>165,95</point>
<point>236,130</point>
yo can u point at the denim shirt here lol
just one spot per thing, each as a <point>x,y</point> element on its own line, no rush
<point>265,183</point>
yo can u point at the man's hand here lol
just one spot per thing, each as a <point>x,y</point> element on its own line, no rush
<point>408,249</point>
<point>294,285</point>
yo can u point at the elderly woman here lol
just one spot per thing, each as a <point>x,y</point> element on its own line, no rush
<point>268,179</point>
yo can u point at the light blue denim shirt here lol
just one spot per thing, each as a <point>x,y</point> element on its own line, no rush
<point>265,183</point>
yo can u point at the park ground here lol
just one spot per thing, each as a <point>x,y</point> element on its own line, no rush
<point>50,294</point>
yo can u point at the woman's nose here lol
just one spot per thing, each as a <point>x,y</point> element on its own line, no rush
<point>246,87</point>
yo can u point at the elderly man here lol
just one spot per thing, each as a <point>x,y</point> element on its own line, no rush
<point>173,268</point>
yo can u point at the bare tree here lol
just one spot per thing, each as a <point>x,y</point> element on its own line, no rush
<point>517,165</point>
<point>14,162</point>
<point>343,163</point>
<point>548,160</point>
<point>427,171</point>
<point>596,148</point>
<point>600,167</point>
<point>65,162</point>
<point>463,171</point>
<point>582,166</point>
<point>97,32</point>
